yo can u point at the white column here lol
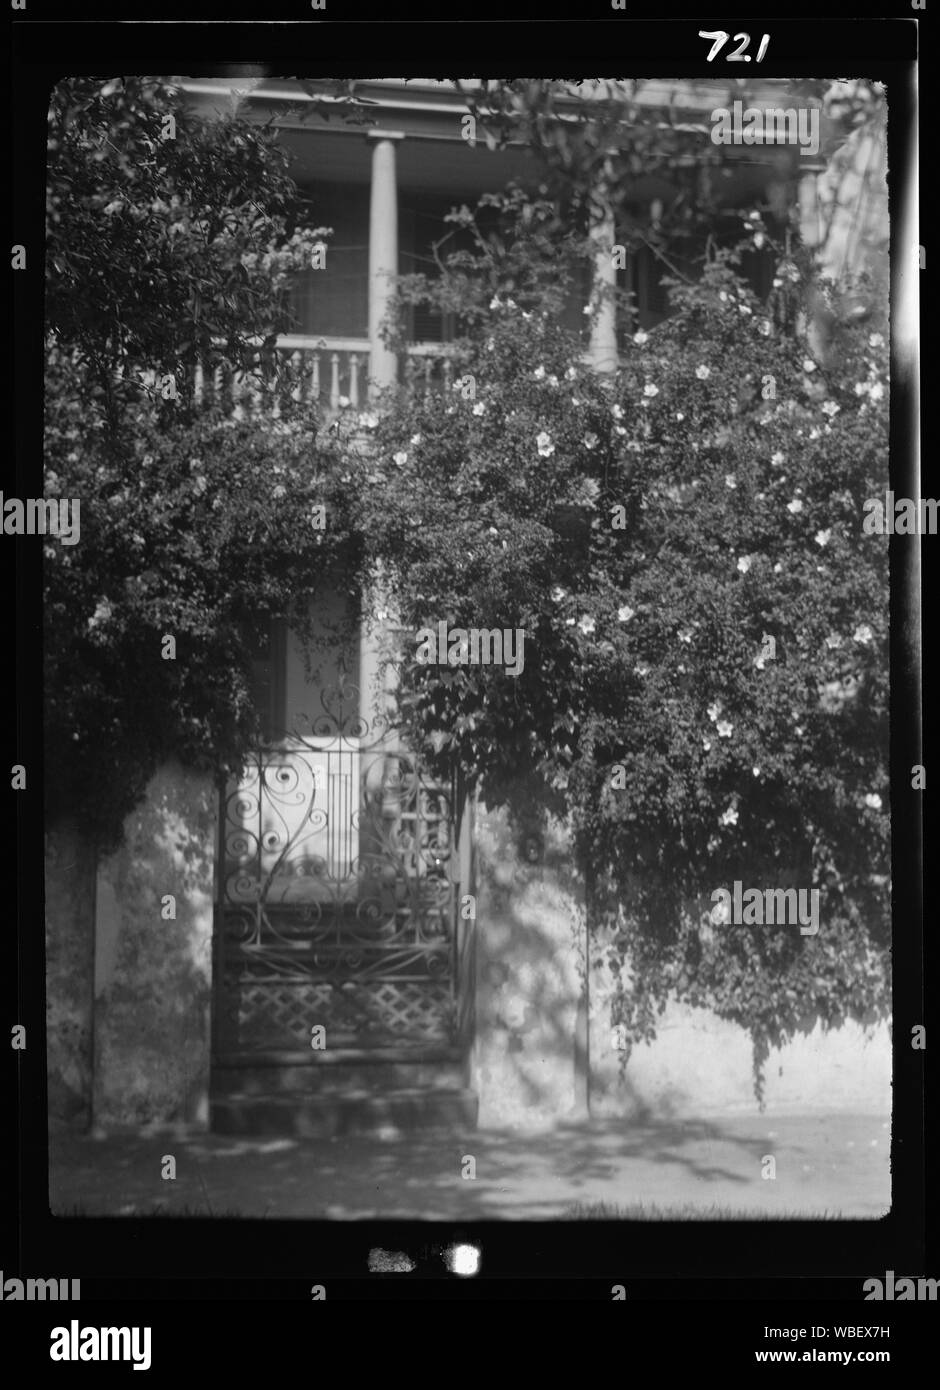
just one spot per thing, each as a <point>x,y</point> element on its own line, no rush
<point>383,254</point>
<point>603,348</point>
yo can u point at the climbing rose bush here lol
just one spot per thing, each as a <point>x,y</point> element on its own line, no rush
<point>705,690</point>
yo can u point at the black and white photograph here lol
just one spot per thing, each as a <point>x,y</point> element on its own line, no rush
<point>469,731</point>
<point>465,640</point>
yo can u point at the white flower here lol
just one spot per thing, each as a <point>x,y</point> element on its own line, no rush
<point>569,622</point>
<point>101,614</point>
<point>496,302</point>
<point>571,373</point>
<point>590,441</point>
<point>703,372</point>
<point>759,239</point>
<point>587,309</point>
<point>823,537</point>
<point>814,433</point>
<point>743,309</point>
<point>755,771</point>
<point>624,614</point>
<point>587,624</point>
<point>830,408</point>
<point>617,412</point>
<point>876,392</point>
<point>545,446</point>
<point>707,744</point>
<point>873,801</point>
<point>713,713</point>
<point>777,282</point>
<point>765,327</point>
<point>685,635</point>
<point>722,295</point>
<point>833,641</point>
<point>641,338</point>
<point>539,373</point>
<point>778,567</point>
<point>875,340</point>
<point>650,390</point>
<point>744,563</point>
<point>679,415</point>
<point>343,402</point>
<point>279,491</point>
<point>725,730</point>
<point>415,439</point>
<point>558,594</point>
<point>863,634</point>
<point>642,669</point>
<point>401,458</point>
<point>730,817</point>
<point>808,364</point>
<point>730,480</point>
<point>478,409</point>
<point>490,344</point>
<point>795,506</point>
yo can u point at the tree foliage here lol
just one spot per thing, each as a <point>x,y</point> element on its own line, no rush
<point>170,240</point>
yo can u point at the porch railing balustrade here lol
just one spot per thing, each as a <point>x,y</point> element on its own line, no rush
<point>332,372</point>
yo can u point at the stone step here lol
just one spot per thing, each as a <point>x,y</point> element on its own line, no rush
<point>328,1116</point>
<point>318,1079</point>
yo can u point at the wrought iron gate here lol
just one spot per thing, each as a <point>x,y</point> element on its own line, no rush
<point>337,899</point>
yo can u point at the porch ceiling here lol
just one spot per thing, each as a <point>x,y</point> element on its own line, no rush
<point>452,167</point>
<point>427,164</point>
<point>432,158</point>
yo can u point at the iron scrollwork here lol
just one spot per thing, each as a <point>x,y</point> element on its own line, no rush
<point>337,890</point>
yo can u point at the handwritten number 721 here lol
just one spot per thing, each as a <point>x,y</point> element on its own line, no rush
<point>721,37</point>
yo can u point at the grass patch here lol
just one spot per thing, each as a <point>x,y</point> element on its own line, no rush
<point>159,1211</point>
<point>684,1211</point>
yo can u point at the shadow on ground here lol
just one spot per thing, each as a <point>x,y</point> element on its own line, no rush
<point>825,1166</point>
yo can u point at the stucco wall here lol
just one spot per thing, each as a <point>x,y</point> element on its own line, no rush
<point>527,1065</point>
<point>534,1052</point>
<point>153,974</point>
<point>700,1065</point>
<point>70,953</point>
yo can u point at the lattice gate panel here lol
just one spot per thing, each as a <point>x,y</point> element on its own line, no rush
<point>355,1014</point>
<point>337,899</point>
